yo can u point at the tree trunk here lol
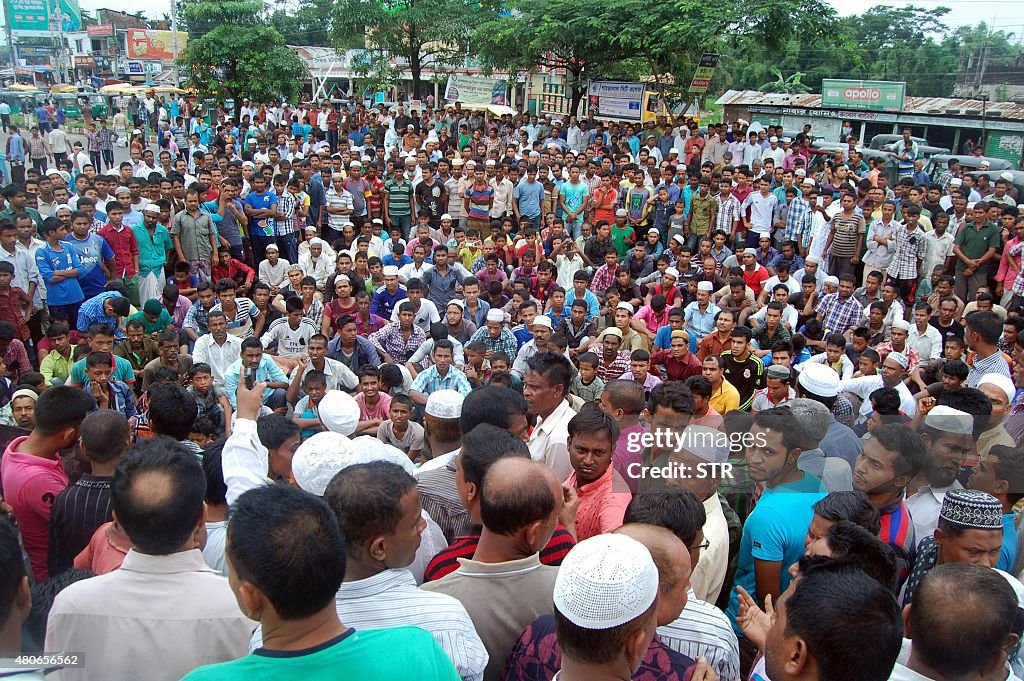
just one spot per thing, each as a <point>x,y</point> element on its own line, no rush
<point>576,98</point>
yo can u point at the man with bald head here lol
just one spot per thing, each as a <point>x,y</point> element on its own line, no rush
<point>504,586</point>
<point>157,497</point>
<point>538,649</point>
<point>976,642</point>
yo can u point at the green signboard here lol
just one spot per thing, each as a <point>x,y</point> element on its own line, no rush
<point>42,17</point>
<point>1005,145</point>
<point>866,95</point>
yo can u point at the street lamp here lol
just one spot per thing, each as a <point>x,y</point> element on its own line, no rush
<point>984,102</point>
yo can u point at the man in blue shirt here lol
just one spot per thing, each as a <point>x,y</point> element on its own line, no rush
<point>16,151</point>
<point>94,253</point>
<point>261,209</point>
<point>580,282</point>
<point>389,295</point>
<point>528,197</point>
<point>266,370</point>
<point>773,535</point>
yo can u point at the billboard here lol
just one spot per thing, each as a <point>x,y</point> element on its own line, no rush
<point>146,44</point>
<point>100,31</point>
<point>42,17</point>
<point>867,95</point>
<point>476,90</point>
<point>704,73</point>
<point>616,101</point>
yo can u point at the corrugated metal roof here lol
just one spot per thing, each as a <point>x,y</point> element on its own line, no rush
<point>919,106</point>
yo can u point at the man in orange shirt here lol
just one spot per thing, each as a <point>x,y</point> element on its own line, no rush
<point>719,341</point>
<point>603,493</point>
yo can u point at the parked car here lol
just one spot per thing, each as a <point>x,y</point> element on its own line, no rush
<point>1017,181</point>
<point>937,165</point>
<point>881,141</point>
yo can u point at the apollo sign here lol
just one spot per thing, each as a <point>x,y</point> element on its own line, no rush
<point>870,95</point>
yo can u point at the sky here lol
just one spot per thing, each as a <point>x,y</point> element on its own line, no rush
<point>1008,15</point>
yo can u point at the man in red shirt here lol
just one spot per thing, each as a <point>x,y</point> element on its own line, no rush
<point>226,267</point>
<point>678,361</point>
<point>15,305</point>
<point>122,241</point>
<point>31,468</point>
<point>754,274</point>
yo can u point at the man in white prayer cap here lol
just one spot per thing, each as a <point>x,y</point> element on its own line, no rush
<point>948,433</point>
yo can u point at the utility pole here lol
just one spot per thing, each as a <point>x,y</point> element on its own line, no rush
<point>10,36</point>
<point>174,40</point>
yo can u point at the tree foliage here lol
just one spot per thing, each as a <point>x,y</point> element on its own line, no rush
<point>906,43</point>
<point>406,34</point>
<point>242,56</point>
<point>594,39</point>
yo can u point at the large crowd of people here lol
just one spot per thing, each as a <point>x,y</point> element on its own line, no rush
<point>315,391</point>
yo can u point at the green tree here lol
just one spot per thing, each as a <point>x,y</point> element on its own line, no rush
<point>791,85</point>
<point>242,56</point>
<point>406,34</point>
<point>556,34</point>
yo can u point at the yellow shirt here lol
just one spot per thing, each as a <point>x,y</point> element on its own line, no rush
<point>725,399</point>
<point>469,255</point>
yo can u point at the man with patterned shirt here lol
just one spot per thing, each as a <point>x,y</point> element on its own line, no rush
<point>909,253</point>
<point>891,458</point>
<point>799,217</point>
<point>397,341</point>
<point>729,212</point>
<point>840,311</point>
<point>495,335</point>
<point>614,362</point>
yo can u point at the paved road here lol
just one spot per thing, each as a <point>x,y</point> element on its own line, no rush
<point>120,153</point>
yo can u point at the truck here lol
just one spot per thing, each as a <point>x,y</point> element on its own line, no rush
<point>623,101</point>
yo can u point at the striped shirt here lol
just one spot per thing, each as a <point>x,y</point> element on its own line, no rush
<point>464,546</point>
<point>399,198</point>
<point>76,513</point>
<point>993,364</point>
<point>898,532</point>
<point>440,498</point>
<point>702,630</point>
<point>479,202</point>
<point>391,599</point>
<point>430,381</point>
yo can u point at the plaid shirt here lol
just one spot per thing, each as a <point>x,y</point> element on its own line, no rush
<point>195,318</point>
<point>798,222</point>
<point>843,411</point>
<point>1018,282</point>
<point>910,252</point>
<point>286,207</point>
<point>729,211</point>
<point>837,315</point>
<point>375,323</point>
<point>37,147</point>
<point>603,278</point>
<point>506,342</point>
<point>390,340</point>
<point>106,138</point>
<point>609,371</point>
<point>429,381</point>
<point>944,179</point>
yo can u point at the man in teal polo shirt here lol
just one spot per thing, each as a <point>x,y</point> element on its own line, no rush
<point>773,535</point>
<point>101,339</point>
<point>975,244</point>
<point>154,242</point>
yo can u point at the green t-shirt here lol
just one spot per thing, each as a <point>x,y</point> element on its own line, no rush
<point>397,654</point>
<point>122,372</point>
<point>153,327</point>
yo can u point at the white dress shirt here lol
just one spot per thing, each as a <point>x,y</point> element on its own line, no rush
<point>924,507</point>
<point>549,440</point>
<point>703,630</point>
<point>219,357</point>
<point>156,618</point>
<point>708,576</point>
